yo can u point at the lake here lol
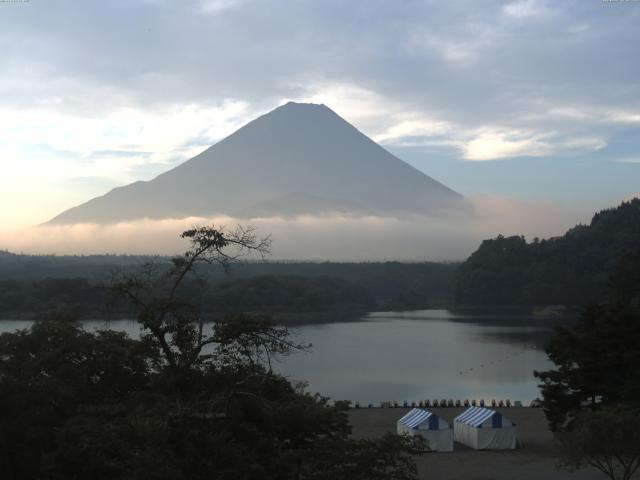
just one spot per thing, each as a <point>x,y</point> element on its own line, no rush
<point>411,356</point>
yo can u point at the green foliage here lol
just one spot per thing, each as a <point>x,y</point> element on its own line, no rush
<point>51,371</point>
<point>250,341</point>
<point>283,295</point>
<point>597,360</point>
<point>290,294</point>
<point>568,270</point>
<point>20,299</point>
<point>625,284</point>
<point>184,402</point>
<point>91,405</point>
<point>77,284</point>
<point>607,439</point>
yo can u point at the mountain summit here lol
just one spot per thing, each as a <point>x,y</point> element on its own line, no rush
<point>296,159</point>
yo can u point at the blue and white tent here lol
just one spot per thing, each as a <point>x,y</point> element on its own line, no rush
<point>484,429</point>
<point>435,430</point>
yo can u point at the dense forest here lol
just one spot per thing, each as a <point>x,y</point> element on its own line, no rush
<point>285,296</point>
<point>569,270</point>
<point>32,286</point>
<point>187,400</point>
<point>591,396</point>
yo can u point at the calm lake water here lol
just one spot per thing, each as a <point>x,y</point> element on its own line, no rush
<point>410,356</point>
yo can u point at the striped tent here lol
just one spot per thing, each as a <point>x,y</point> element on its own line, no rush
<point>435,430</point>
<point>484,429</point>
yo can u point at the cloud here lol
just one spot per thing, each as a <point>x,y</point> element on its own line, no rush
<point>477,80</point>
<point>42,145</point>
<point>630,159</point>
<point>585,143</point>
<point>493,145</point>
<point>599,115</point>
<point>499,144</point>
<point>363,108</point>
<point>522,9</point>
<point>42,149</point>
<point>328,237</point>
<point>453,49</point>
<point>622,116</point>
<point>403,125</point>
<point>214,6</point>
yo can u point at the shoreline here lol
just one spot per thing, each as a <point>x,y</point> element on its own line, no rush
<point>535,459</point>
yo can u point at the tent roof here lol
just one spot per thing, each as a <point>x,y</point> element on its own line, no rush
<point>415,417</point>
<point>475,416</point>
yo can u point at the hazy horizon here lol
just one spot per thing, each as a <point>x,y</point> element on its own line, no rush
<point>335,237</point>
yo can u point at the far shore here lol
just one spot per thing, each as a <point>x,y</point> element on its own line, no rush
<point>496,313</point>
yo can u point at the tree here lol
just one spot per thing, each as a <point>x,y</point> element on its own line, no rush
<point>607,439</point>
<point>181,403</point>
<point>597,360</point>
<point>569,270</point>
<point>51,371</point>
<point>173,322</point>
<point>625,284</point>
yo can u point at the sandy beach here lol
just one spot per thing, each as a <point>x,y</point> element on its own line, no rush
<point>535,460</point>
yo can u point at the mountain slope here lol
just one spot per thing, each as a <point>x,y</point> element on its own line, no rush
<point>573,269</point>
<point>297,149</point>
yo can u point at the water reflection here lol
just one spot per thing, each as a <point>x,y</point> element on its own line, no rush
<point>423,354</point>
<point>415,355</point>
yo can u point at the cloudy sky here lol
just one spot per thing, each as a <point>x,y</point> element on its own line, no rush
<point>532,100</point>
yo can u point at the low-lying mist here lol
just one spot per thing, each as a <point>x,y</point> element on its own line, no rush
<point>337,237</point>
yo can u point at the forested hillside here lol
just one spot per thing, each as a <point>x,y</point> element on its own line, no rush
<point>568,270</point>
<point>388,283</point>
<point>283,294</point>
<point>32,286</point>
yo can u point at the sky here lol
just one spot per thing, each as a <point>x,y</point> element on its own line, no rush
<point>535,101</point>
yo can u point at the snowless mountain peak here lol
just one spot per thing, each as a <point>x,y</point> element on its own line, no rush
<point>301,158</point>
